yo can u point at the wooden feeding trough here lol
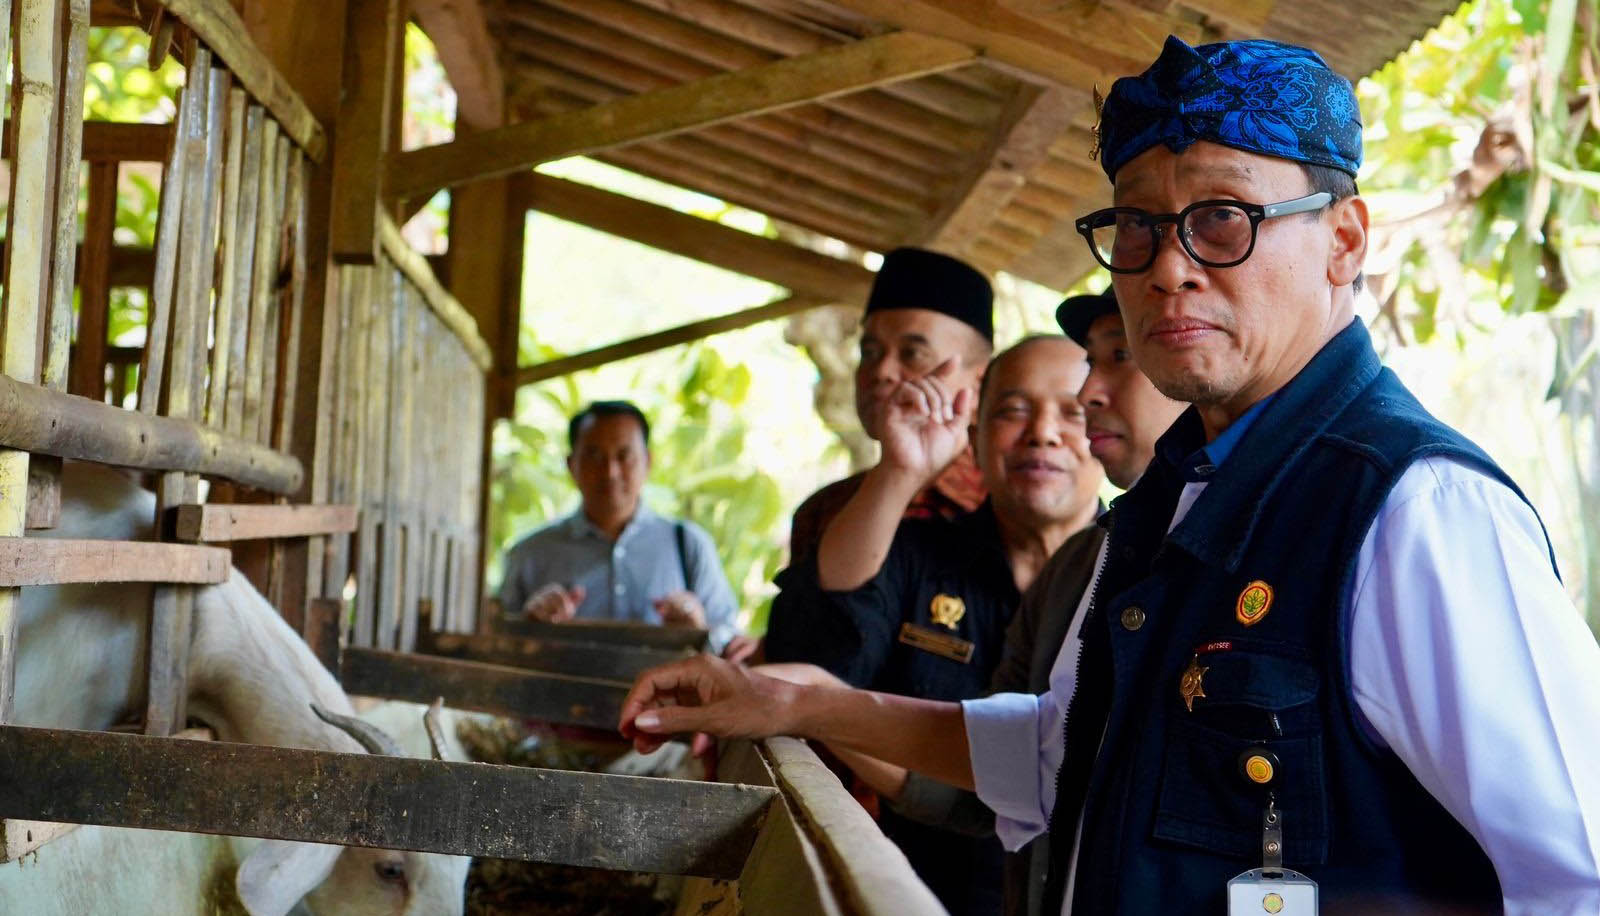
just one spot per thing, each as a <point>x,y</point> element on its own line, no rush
<point>337,395</point>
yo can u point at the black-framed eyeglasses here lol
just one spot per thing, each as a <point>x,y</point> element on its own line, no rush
<point>1216,233</point>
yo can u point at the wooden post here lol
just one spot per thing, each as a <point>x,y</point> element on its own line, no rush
<point>486,242</point>
<point>324,630</point>
<point>375,38</point>
<point>173,606</point>
<point>94,302</point>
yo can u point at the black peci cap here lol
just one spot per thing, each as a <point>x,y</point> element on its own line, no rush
<point>916,278</point>
<point>1076,313</point>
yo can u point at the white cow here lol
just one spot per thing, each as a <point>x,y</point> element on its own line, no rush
<point>251,679</point>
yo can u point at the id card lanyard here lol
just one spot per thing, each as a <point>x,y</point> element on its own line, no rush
<point>1270,889</point>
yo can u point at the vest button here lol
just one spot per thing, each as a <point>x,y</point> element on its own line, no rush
<point>1132,617</point>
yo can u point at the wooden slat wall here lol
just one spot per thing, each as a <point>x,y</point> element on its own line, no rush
<point>405,446</point>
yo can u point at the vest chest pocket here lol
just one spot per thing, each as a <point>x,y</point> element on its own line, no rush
<point>1251,701</point>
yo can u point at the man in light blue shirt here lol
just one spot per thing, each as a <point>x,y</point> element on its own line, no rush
<point>613,558</point>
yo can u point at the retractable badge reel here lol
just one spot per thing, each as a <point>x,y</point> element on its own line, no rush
<point>1270,889</point>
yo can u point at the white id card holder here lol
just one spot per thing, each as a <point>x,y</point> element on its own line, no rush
<point>1259,892</point>
<point>1272,889</point>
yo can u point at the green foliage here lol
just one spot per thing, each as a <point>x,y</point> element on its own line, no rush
<point>1483,170</point>
<point>119,86</point>
<point>699,465</point>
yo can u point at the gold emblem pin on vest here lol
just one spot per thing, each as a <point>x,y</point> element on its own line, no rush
<point>1254,602</point>
<point>947,610</point>
<point>1189,686</point>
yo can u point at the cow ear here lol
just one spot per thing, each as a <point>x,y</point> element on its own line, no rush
<point>278,873</point>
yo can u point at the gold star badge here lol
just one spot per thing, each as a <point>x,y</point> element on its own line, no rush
<point>1189,686</point>
<point>1254,602</point>
<point>947,610</point>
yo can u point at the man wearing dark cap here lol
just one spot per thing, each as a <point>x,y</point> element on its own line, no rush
<point>921,608</point>
<point>1328,653</point>
<point>1126,413</point>
<point>924,308</point>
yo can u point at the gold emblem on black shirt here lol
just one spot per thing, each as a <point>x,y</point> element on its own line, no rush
<point>947,610</point>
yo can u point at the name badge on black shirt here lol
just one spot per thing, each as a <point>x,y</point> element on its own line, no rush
<point>940,644</point>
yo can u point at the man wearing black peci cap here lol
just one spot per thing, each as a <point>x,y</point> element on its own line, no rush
<point>922,608</point>
<point>1328,661</point>
<point>924,308</point>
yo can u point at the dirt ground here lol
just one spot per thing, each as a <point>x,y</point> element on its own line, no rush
<point>500,887</point>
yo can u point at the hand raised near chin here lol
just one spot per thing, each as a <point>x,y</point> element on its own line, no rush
<point>925,423</point>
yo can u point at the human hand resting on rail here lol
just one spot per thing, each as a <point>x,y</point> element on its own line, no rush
<point>925,423</point>
<point>705,694</point>
<point>554,603</point>
<point>681,609</point>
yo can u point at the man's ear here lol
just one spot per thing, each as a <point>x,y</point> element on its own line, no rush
<point>572,465</point>
<point>1347,252</point>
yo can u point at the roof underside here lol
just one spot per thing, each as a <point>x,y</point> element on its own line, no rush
<point>987,160</point>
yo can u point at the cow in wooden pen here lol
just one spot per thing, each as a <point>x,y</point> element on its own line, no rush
<point>251,679</point>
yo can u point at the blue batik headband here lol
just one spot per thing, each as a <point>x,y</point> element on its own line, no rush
<point>1258,96</point>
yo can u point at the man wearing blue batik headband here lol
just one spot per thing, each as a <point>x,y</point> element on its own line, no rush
<point>1327,635</point>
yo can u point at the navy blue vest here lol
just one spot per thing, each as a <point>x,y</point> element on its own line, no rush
<point>1168,816</point>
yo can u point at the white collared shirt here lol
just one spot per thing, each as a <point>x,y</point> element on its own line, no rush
<point>1467,659</point>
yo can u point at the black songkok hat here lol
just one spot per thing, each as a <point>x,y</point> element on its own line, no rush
<point>916,278</point>
<point>1076,313</point>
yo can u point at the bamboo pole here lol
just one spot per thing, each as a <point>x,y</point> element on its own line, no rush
<point>270,346</point>
<point>261,284</point>
<point>230,239</point>
<point>188,144</point>
<point>172,606</point>
<point>294,215</point>
<point>24,281</point>
<point>244,268</point>
<point>69,156</point>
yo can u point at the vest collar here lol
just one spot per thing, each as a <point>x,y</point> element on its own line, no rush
<point>1219,527</point>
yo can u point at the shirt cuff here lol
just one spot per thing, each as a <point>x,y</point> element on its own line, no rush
<point>1003,740</point>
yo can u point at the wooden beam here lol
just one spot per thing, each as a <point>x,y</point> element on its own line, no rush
<point>375,34</point>
<point>622,31</point>
<point>762,29</point>
<point>36,419</point>
<point>217,25</point>
<point>833,847</point>
<point>561,71</point>
<point>59,561</point>
<point>1120,43</point>
<point>223,522</point>
<point>687,173</point>
<point>1245,16</point>
<point>800,270</point>
<point>551,656</point>
<point>672,337</point>
<point>460,33</point>
<point>641,635</point>
<point>116,141</point>
<point>784,83</point>
<point>1022,141</point>
<point>562,699</point>
<point>585,819</point>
